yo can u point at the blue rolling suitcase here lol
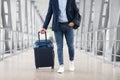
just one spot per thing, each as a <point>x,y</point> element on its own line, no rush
<point>44,53</point>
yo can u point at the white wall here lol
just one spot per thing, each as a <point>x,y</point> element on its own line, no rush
<point>0,13</point>
<point>23,13</point>
<point>13,13</point>
<point>114,12</point>
<point>98,4</point>
<point>29,16</point>
<point>87,13</point>
<point>0,26</point>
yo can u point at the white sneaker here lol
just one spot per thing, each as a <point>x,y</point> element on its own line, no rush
<point>71,66</point>
<point>61,69</point>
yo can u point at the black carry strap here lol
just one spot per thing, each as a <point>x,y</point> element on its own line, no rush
<point>45,37</point>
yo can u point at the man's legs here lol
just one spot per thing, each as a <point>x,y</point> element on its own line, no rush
<point>69,35</point>
<point>59,42</point>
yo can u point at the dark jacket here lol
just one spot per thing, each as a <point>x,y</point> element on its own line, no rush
<point>71,11</point>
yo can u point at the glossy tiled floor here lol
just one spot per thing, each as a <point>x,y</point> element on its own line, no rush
<point>21,67</point>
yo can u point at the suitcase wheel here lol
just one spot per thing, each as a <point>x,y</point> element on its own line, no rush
<point>52,67</point>
<point>37,67</point>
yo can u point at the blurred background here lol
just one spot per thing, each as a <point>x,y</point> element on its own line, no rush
<point>98,35</point>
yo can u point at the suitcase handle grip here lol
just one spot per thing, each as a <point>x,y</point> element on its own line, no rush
<point>45,37</point>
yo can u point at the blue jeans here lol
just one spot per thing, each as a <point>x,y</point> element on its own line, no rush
<point>66,31</point>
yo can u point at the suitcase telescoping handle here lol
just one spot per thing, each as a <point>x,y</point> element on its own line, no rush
<point>45,37</point>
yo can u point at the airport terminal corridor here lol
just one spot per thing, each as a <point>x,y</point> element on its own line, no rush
<point>22,67</point>
<point>96,41</point>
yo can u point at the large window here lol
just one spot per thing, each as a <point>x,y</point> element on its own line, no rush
<point>20,23</point>
<point>101,28</point>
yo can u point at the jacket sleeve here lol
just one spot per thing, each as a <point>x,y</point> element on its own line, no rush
<point>76,11</point>
<point>48,16</point>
